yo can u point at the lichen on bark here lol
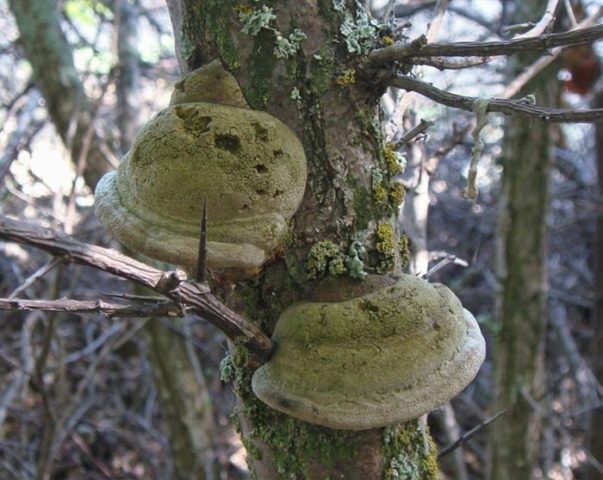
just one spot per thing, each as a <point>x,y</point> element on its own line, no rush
<point>339,130</point>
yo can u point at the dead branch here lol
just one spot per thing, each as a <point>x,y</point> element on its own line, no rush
<point>545,22</point>
<point>542,43</point>
<point>110,309</point>
<point>34,277</point>
<point>413,133</point>
<point>196,296</point>
<point>498,105</point>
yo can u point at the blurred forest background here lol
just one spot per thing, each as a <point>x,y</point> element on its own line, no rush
<point>78,393</point>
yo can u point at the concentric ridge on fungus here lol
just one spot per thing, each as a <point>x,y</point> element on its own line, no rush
<point>249,166</point>
<point>380,358</point>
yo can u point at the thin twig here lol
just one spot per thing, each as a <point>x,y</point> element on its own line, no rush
<point>443,63</point>
<point>570,12</point>
<point>34,277</point>
<point>545,23</point>
<point>467,435</point>
<point>443,263</point>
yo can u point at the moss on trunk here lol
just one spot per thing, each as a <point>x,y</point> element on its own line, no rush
<point>314,89</point>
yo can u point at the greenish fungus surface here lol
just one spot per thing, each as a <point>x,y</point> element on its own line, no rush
<point>373,360</point>
<point>210,84</point>
<point>249,166</point>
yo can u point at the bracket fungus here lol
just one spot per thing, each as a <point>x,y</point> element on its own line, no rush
<point>372,359</point>
<point>247,164</point>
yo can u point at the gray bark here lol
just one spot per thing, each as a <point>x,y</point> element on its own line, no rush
<point>521,304</point>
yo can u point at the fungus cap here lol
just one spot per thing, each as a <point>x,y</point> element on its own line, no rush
<point>380,358</point>
<point>249,166</point>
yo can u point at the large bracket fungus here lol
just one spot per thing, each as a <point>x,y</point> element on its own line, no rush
<point>373,359</point>
<point>247,164</point>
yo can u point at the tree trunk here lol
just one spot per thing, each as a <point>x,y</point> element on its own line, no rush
<point>597,345</point>
<point>334,114</point>
<point>185,403</point>
<point>521,305</point>
<point>49,54</point>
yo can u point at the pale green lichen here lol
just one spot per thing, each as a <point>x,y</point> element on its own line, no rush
<point>286,47</point>
<point>354,260</point>
<point>325,258</point>
<point>227,369</point>
<point>255,20</point>
<point>359,33</point>
<point>410,453</point>
<point>295,94</point>
<point>339,5</point>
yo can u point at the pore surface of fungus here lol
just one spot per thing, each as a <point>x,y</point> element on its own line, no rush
<point>249,166</point>
<point>379,358</point>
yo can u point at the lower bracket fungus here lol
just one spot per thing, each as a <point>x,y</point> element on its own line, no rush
<point>247,164</point>
<point>359,356</point>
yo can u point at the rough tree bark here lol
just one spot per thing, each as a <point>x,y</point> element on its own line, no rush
<point>334,114</point>
<point>597,345</point>
<point>519,347</point>
<point>49,54</point>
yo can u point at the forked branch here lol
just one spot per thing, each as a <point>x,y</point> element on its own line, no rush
<point>196,297</point>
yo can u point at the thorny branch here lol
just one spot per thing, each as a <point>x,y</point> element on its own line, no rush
<point>195,296</point>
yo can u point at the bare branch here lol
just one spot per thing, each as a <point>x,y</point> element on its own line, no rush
<point>110,309</point>
<point>544,23</point>
<point>34,277</point>
<point>171,284</point>
<point>530,72</point>
<point>413,132</point>
<point>443,63</point>
<point>542,43</point>
<point>497,105</point>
